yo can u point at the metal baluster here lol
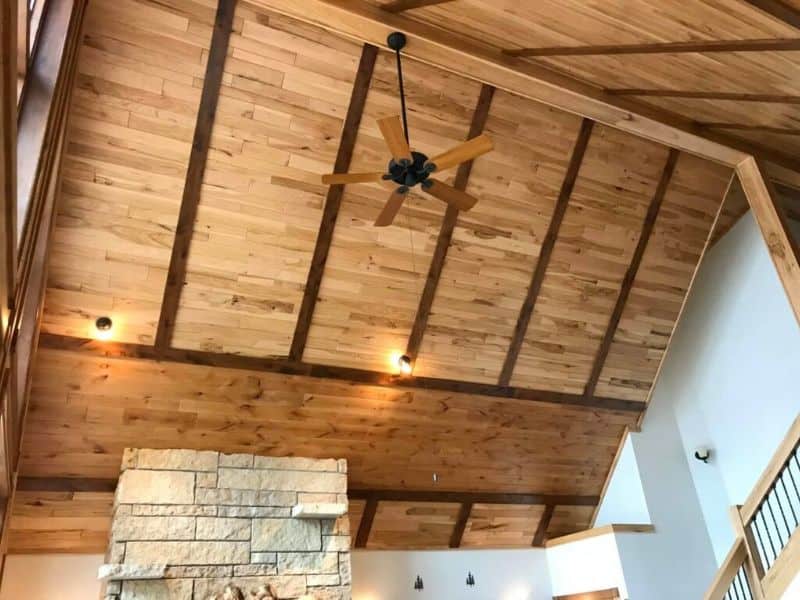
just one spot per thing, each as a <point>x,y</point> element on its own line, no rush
<point>775,522</point>
<point>769,537</point>
<point>788,499</point>
<point>762,549</point>
<point>783,513</point>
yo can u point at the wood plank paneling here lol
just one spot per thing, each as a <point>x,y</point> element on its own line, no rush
<point>569,519</point>
<point>501,526</point>
<point>403,525</point>
<point>615,185</point>
<point>84,410</point>
<point>375,276</point>
<point>496,245</point>
<point>129,140</point>
<point>648,319</point>
<point>285,95</point>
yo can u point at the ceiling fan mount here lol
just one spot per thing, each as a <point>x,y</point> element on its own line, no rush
<point>410,168</point>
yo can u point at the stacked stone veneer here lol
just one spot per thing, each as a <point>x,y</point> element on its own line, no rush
<point>215,519</point>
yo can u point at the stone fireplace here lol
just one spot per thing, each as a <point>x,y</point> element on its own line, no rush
<point>196,525</point>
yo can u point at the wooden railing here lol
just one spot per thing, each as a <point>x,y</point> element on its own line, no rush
<point>765,557</point>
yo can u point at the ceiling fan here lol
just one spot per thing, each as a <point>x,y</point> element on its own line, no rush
<point>408,169</point>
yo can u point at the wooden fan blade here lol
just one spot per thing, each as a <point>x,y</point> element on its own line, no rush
<point>447,193</point>
<point>391,208</point>
<point>342,178</point>
<point>392,131</point>
<point>463,152</point>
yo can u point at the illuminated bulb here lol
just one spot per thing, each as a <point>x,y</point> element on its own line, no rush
<point>103,328</point>
<point>404,364</point>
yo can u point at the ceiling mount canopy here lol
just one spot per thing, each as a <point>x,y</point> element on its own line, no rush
<point>409,168</point>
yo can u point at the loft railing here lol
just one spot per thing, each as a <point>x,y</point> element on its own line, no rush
<point>765,558</point>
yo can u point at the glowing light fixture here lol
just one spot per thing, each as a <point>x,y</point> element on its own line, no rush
<point>103,328</point>
<point>404,364</point>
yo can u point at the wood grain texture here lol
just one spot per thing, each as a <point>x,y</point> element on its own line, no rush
<point>420,326</point>
<point>502,526</point>
<point>333,200</point>
<point>198,157</point>
<point>413,526</point>
<point>543,262</point>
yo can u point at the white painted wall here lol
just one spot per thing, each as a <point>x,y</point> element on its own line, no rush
<point>49,576</point>
<point>499,575</point>
<point>624,501</point>
<point>588,565</point>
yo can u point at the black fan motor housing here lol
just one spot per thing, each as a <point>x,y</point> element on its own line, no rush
<point>409,175</point>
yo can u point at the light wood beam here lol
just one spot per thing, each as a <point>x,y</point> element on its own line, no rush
<point>479,118</point>
<point>540,537</point>
<point>548,244</point>
<point>706,95</point>
<point>761,45</point>
<point>778,9</point>
<point>184,230</point>
<point>630,274</point>
<point>771,218</point>
<point>333,200</point>
<point>289,367</point>
<point>362,21</point>
<point>461,524</point>
<point>758,128</point>
<point>398,6</point>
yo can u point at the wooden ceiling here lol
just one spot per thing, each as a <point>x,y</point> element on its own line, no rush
<point>731,66</point>
<point>258,310</point>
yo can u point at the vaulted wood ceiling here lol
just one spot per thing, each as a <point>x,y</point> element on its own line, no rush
<point>538,320</point>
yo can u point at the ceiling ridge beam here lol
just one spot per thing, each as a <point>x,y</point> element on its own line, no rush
<point>479,118</point>
<point>333,200</point>
<point>630,275</point>
<point>779,10</point>
<point>548,244</point>
<point>108,484</point>
<point>288,367</point>
<point>398,6</point>
<point>695,46</point>
<point>198,157</point>
<point>706,95</point>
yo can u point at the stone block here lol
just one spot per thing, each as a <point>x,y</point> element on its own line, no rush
<point>177,460</point>
<point>290,481</point>
<point>171,510</point>
<point>255,511</point>
<point>239,461</point>
<point>129,456</point>
<point>117,572</point>
<point>316,498</point>
<point>217,528</point>
<point>264,557</point>
<point>285,586</point>
<point>292,463</point>
<point>231,497</point>
<point>305,563</point>
<point>199,571</point>
<point>340,526</point>
<point>342,465</point>
<point>164,589</point>
<point>188,553</point>
<point>254,570</point>
<point>152,528</point>
<point>318,510</point>
<point>330,593</point>
<point>116,552</point>
<point>336,543</point>
<point>320,580</point>
<point>345,569</point>
<point>155,487</point>
<point>286,535</point>
<point>206,480</point>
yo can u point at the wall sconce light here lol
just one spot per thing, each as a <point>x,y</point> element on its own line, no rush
<point>470,579</point>
<point>418,585</point>
<point>102,328</point>
<point>404,364</point>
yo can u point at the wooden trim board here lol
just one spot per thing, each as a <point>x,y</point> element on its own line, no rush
<point>598,531</point>
<point>760,45</point>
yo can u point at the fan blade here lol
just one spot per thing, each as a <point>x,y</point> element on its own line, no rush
<point>447,193</point>
<point>391,208</point>
<point>342,178</point>
<point>392,131</point>
<point>463,152</point>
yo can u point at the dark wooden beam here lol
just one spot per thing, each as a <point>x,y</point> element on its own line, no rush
<point>367,518</point>
<point>630,274</point>
<point>461,524</point>
<point>706,95</point>
<point>472,497</point>
<point>91,484</point>
<point>398,6</point>
<point>540,537</point>
<point>526,311</point>
<point>778,9</point>
<point>184,230</point>
<point>761,45</point>
<point>333,201</point>
<point>479,118</point>
<point>362,376</point>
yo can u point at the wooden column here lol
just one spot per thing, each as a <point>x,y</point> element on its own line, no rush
<point>176,275</point>
<point>771,218</point>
